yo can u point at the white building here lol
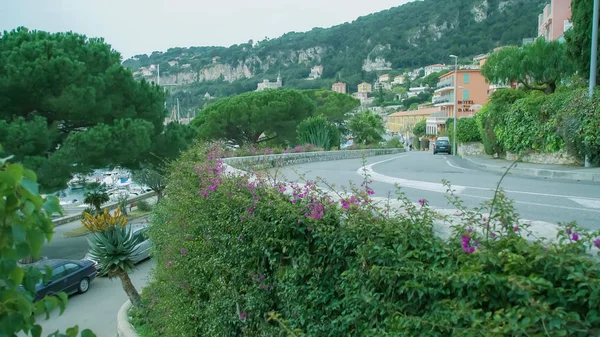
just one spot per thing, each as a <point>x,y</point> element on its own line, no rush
<point>266,84</point>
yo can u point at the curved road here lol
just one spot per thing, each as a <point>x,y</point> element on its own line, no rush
<point>420,174</point>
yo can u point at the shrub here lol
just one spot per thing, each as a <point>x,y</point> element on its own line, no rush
<point>25,225</point>
<point>420,128</point>
<point>467,130</point>
<point>230,250</point>
<point>144,206</point>
<point>319,132</point>
<point>394,143</point>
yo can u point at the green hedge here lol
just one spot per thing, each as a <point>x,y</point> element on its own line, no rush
<point>230,251</point>
<point>520,121</point>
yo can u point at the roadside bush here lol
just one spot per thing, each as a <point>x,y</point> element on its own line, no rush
<point>394,143</point>
<point>467,130</point>
<point>231,250</point>
<point>318,131</point>
<point>144,206</point>
<point>420,128</point>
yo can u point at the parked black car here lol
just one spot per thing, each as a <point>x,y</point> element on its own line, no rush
<point>69,276</point>
<point>442,145</point>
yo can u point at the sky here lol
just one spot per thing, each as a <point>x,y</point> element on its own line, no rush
<point>135,27</point>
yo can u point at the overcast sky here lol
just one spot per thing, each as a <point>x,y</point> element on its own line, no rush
<point>142,26</point>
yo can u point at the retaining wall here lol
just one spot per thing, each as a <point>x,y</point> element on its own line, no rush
<point>287,159</point>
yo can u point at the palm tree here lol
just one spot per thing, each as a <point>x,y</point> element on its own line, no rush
<point>112,244</point>
<point>367,127</point>
<point>96,197</point>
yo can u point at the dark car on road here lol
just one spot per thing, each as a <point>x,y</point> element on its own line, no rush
<point>69,276</point>
<point>442,145</point>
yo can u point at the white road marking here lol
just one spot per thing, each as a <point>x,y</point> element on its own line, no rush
<point>588,203</point>
<point>457,167</point>
<point>536,204</point>
<point>416,184</point>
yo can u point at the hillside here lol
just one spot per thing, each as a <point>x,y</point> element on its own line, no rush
<point>405,37</point>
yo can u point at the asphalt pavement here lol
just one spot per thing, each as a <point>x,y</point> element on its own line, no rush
<point>420,175</point>
<point>96,309</point>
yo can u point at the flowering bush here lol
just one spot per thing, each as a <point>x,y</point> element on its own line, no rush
<point>236,255</point>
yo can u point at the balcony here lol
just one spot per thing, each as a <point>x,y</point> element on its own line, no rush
<point>443,100</point>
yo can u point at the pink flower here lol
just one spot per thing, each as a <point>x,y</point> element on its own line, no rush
<point>516,228</point>
<point>243,316</point>
<point>597,242</point>
<point>569,231</point>
<point>423,202</point>
<point>183,251</point>
<point>575,237</point>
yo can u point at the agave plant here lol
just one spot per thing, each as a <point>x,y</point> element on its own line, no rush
<point>112,244</point>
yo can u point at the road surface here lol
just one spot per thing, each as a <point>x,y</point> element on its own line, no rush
<point>96,309</point>
<point>420,175</point>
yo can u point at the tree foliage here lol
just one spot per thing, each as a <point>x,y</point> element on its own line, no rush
<point>332,105</point>
<point>152,178</point>
<point>579,37</point>
<point>420,128</point>
<point>366,127</point>
<point>25,225</point>
<point>537,66</point>
<point>244,118</point>
<point>67,105</point>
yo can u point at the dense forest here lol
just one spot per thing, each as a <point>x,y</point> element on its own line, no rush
<point>413,35</point>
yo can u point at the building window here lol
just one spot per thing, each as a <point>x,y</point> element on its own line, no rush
<point>465,95</point>
<point>466,78</point>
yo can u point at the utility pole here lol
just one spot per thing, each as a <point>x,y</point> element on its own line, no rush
<point>593,60</point>
<point>455,99</point>
<point>178,109</point>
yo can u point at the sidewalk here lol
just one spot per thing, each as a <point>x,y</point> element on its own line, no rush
<point>562,172</point>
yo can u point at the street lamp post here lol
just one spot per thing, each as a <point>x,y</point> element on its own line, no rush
<point>455,98</point>
<point>593,60</point>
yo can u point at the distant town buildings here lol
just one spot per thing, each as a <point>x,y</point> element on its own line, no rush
<point>173,63</point>
<point>339,87</point>
<point>405,121</point>
<point>364,87</point>
<point>434,68</point>
<point>266,84</point>
<point>316,72</point>
<point>384,78</point>
<point>555,20</point>
<point>416,91</point>
<point>399,79</point>
<point>382,86</point>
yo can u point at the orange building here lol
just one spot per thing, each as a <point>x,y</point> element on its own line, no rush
<point>472,90</point>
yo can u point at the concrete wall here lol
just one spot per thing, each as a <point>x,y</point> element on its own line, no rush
<point>557,158</point>
<point>287,159</point>
<point>470,149</point>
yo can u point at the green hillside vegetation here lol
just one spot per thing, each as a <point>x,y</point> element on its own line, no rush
<point>412,35</point>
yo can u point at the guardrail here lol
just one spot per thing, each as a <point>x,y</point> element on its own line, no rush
<point>111,206</point>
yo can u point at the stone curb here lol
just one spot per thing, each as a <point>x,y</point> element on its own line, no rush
<point>540,173</point>
<point>124,328</point>
<point>70,218</point>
